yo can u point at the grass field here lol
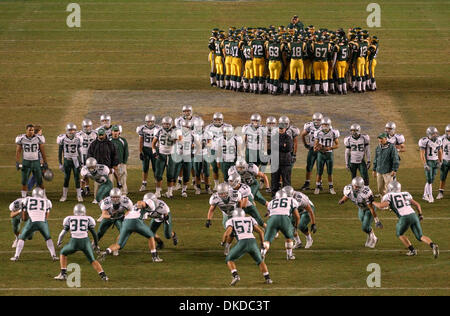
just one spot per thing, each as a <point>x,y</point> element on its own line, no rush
<point>133,57</point>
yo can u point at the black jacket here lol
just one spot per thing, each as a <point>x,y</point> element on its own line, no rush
<point>286,146</point>
<point>104,152</point>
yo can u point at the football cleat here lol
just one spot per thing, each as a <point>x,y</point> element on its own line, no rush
<point>175,239</point>
<point>209,191</point>
<point>298,245</point>
<point>14,259</point>
<point>235,280</point>
<point>157,259</point>
<point>105,278</point>
<point>102,256</point>
<point>373,242</point>
<point>94,201</point>
<point>177,186</point>
<point>412,253</point>
<point>435,251</point>
<point>305,187</point>
<point>368,240</point>
<point>184,194</point>
<point>309,242</point>
<point>63,198</point>
<point>61,277</point>
<point>143,188</point>
<point>116,253</point>
<point>290,257</point>
<point>440,196</point>
<point>159,245</point>
<point>430,198</point>
<point>80,198</point>
<point>55,258</point>
<point>268,281</point>
<point>198,191</point>
<point>332,191</point>
<point>158,195</point>
<point>317,191</point>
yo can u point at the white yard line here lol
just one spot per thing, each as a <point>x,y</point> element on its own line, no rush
<point>231,289</point>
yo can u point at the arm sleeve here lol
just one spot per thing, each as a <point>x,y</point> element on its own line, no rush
<point>367,148</point>
<point>60,153</point>
<point>347,156</point>
<point>125,152</point>
<point>395,160</point>
<point>94,235</point>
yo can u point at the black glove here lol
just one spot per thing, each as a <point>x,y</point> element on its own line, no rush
<point>267,214</point>
<point>294,158</point>
<point>119,185</point>
<point>313,228</point>
<point>420,217</point>
<point>306,146</point>
<point>368,165</point>
<point>18,166</point>
<point>45,166</point>
<point>141,156</point>
<point>379,225</point>
<point>341,202</point>
<point>208,223</point>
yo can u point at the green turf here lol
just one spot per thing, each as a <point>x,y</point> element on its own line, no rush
<point>153,45</point>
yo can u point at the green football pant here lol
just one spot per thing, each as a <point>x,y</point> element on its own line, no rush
<point>103,190</point>
<point>278,223</point>
<point>79,244</point>
<point>68,167</point>
<point>311,159</point>
<point>225,166</point>
<point>148,158</point>
<point>186,167</point>
<point>215,167</point>
<point>322,160</point>
<point>366,218</point>
<point>154,225</point>
<point>431,174</point>
<point>253,156</point>
<point>256,194</point>
<point>106,223</point>
<point>245,246</point>
<point>162,162</point>
<point>444,169</point>
<point>133,226</point>
<point>15,222</point>
<point>362,167</point>
<point>31,227</point>
<point>407,221</point>
<point>201,167</point>
<point>253,212</point>
<point>31,166</point>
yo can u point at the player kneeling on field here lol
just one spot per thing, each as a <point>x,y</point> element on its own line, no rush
<point>243,228</point>
<point>400,203</point>
<point>134,223</point>
<point>78,224</point>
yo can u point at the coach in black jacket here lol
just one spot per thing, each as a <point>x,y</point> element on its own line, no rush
<point>104,151</point>
<point>286,146</point>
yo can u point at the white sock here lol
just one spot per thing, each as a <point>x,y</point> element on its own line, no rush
<point>216,182</point>
<point>24,194</point>
<point>297,239</point>
<point>288,248</point>
<point>65,190</point>
<point>78,192</point>
<point>325,86</point>
<point>170,189</point>
<point>158,190</point>
<point>359,86</point>
<point>285,87</point>
<point>19,247</point>
<point>302,88</point>
<point>430,189</point>
<point>317,87</point>
<point>51,247</point>
<point>344,86</point>
<point>184,187</point>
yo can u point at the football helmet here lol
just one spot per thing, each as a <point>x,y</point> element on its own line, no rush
<point>115,195</point>
<point>150,196</point>
<point>255,119</point>
<point>187,112</point>
<point>228,132</point>
<point>48,175</point>
<point>280,194</point>
<point>355,130</point>
<point>223,190</point>
<point>38,193</point>
<point>91,163</point>
<point>241,165</point>
<point>71,129</point>
<point>317,119</point>
<point>390,128</point>
<point>105,119</point>
<point>432,133</point>
<point>271,122</point>
<point>326,124</point>
<point>447,131</point>
<point>289,190</point>
<point>150,120</point>
<point>166,122</point>
<point>234,180</point>
<point>238,212</point>
<point>357,183</point>
<point>86,125</point>
<point>283,122</point>
<point>218,119</point>
<point>79,210</point>
<point>394,186</point>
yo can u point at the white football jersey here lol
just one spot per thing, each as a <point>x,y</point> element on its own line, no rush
<point>17,205</point>
<point>431,148</point>
<point>78,225</point>
<point>303,201</point>
<point>147,133</point>
<point>284,206</point>
<point>86,140</point>
<point>166,140</point>
<point>247,176</point>
<point>399,203</point>
<point>446,147</point>
<point>216,131</point>
<point>184,147</point>
<point>242,226</point>
<point>71,146</point>
<point>37,208</point>
<point>226,206</point>
<point>357,147</point>
<point>293,131</point>
<point>362,198</point>
<point>254,136</point>
<point>178,122</point>
<point>246,192</point>
<point>311,130</point>
<point>227,149</point>
<point>327,139</point>
<point>396,139</point>
<point>30,146</point>
<point>137,213</point>
<point>160,211</point>
<point>201,140</point>
<point>99,175</point>
<point>116,211</point>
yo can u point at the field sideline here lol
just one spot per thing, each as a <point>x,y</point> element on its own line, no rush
<point>135,57</point>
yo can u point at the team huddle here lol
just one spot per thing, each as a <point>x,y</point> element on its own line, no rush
<point>186,148</point>
<point>293,59</point>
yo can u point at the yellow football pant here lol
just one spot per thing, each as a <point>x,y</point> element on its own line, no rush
<point>297,69</point>
<point>308,68</point>
<point>360,66</point>
<point>275,69</point>
<point>341,68</point>
<point>320,70</point>
<point>236,66</point>
<point>372,68</point>
<point>219,65</point>
<point>211,59</point>
<point>258,67</point>
<point>228,65</point>
<point>248,70</point>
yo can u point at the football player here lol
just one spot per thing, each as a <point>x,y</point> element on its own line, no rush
<point>87,136</point>
<point>212,57</point>
<point>357,151</point>
<point>227,200</point>
<point>398,140</point>
<point>70,150</point>
<point>249,76</point>
<point>361,63</point>
<point>30,145</point>
<point>16,209</point>
<point>216,130</point>
<point>226,51</point>
<point>146,134</point>
<point>306,211</point>
<point>253,139</point>
<point>372,62</point>
<point>236,63</point>
<point>202,155</point>
<point>445,139</point>
<point>78,224</point>
<point>163,146</point>
<point>431,156</point>
<point>160,215</point>
<point>36,209</point>
<point>183,155</point>
<point>113,210</point>
<point>400,203</point>
<point>242,227</point>
<point>342,66</point>
<point>307,135</point>
<point>228,148</point>
<point>320,51</point>
<point>100,174</point>
<point>362,196</point>
<point>218,61</point>
<point>274,50</point>
<point>258,57</point>
<point>280,210</point>
<point>326,140</point>
<point>105,123</point>
<point>296,67</point>
<point>134,223</point>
